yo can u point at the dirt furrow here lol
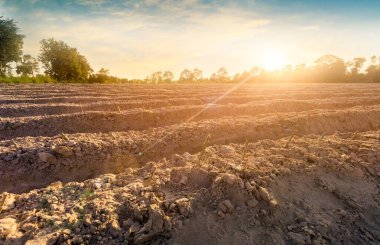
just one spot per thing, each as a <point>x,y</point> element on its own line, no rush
<point>34,162</point>
<point>140,119</point>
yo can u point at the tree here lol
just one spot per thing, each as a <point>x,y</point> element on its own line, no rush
<point>102,76</point>
<point>185,76</point>
<point>191,76</point>
<point>355,66</point>
<point>10,44</point>
<point>221,75</point>
<point>330,68</point>
<point>373,70</point>
<point>168,76</point>
<point>28,66</point>
<point>63,62</point>
<point>156,77</point>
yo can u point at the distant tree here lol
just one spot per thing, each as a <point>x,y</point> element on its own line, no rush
<point>222,75</point>
<point>197,75</point>
<point>63,62</point>
<point>102,76</point>
<point>354,69</point>
<point>373,70</point>
<point>330,68</point>
<point>185,76</point>
<point>214,77</point>
<point>11,42</point>
<point>104,71</point>
<point>191,76</point>
<point>28,66</point>
<point>168,76</point>
<point>156,77</point>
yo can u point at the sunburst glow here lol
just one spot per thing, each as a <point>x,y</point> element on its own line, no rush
<point>274,61</point>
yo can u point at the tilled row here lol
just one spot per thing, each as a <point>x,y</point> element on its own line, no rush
<point>34,162</point>
<point>140,119</point>
<point>309,190</point>
<point>32,109</point>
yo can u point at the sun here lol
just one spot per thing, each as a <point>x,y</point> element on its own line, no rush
<point>273,61</point>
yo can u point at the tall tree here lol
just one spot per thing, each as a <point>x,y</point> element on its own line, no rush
<point>373,70</point>
<point>222,75</point>
<point>156,77</point>
<point>197,75</point>
<point>63,62</point>
<point>185,76</point>
<point>11,42</point>
<point>168,76</point>
<point>330,68</point>
<point>28,66</point>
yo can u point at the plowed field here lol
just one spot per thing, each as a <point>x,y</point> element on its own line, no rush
<point>190,164</point>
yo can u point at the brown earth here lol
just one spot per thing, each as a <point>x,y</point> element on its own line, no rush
<point>190,164</point>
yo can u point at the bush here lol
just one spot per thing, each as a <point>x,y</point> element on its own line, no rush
<point>26,79</point>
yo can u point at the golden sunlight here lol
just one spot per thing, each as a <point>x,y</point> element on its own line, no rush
<point>273,60</point>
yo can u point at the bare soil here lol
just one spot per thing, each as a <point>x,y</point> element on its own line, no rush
<point>190,164</point>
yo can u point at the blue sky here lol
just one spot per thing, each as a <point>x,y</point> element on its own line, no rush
<point>135,38</point>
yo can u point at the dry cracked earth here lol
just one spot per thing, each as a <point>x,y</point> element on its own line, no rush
<point>190,164</point>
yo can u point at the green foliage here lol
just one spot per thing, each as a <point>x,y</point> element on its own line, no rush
<point>28,66</point>
<point>63,62</point>
<point>11,43</point>
<point>102,76</point>
<point>26,79</point>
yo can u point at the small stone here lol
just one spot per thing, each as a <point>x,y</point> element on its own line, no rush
<point>7,201</point>
<point>273,203</point>
<point>157,217</point>
<point>178,224</point>
<point>63,151</point>
<point>183,180</point>
<point>135,227</point>
<point>226,206</point>
<point>55,185</point>
<point>248,186</point>
<point>29,227</point>
<point>184,206</point>
<point>264,194</point>
<point>229,179</point>
<point>143,238</point>
<point>225,149</point>
<point>47,157</point>
<point>252,203</point>
<point>128,222</point>
<point>115,229</point>
<point>8,226</point>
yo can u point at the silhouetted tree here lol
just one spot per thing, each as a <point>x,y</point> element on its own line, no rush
<point>168,76</point>
<point>185,76</point>
<point>11,42</point>
<point>102,76</point>
<point>28,66</point>
<point>373,70</point>
<point>191,76</point>
<point>330,68</point>
<point>222,75</point>
<point>197,75</point>
<point>354,67</point>
<point>156,77</point>
<point>63,62</point>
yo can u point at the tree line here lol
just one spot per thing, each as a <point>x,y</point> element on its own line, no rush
<point>62,63</point>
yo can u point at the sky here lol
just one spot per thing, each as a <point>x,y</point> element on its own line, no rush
<point>136,38</point>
